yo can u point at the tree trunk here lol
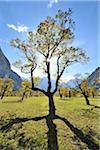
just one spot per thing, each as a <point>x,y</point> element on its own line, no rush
<point>51,106</point>
<point>86,98</point>
<point>93,94</point>
<point>69,94</point>
<point>23,96</point>
<point>4,92</point>
<point>61,96</point>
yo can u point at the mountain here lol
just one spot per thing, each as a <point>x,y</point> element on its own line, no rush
<point>71,83</point>
<point>44,83</point>
<point>7,72</point>
<point>94,78</point>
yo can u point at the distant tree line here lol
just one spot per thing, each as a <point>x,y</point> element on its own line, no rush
<point>7,84</point>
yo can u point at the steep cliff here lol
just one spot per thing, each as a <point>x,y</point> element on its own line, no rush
<point>6,72</point>
<point>94,78</point>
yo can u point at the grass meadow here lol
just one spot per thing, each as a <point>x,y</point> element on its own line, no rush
<point>23,125</point>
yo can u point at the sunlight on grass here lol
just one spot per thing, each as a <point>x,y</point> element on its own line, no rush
<point>33,134</point>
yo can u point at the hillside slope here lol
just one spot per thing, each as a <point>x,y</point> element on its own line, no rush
<point>6,72</point>
<point>94,78</point>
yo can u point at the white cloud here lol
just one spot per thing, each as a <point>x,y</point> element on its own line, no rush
<point>24,75</point>
<point>38,72</point>
<point>51,2</point>
<point>18,71</point>
<point>67,78</point>
<point>19,28</point>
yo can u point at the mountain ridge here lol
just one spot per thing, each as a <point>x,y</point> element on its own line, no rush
<point>94,78</point>
<point>7,72</point>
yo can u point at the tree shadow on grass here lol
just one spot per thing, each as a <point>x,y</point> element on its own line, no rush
<point>95,106</point>
<point>19,120</point>
<point>52,134</point>
<point>10,101</point>
<point>85,138</point>
<point>52,131</point>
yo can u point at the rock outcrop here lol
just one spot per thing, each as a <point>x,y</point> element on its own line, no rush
<point>6,72</point>
<point>94,78</point>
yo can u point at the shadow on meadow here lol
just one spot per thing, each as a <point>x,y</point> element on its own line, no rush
<point>51,134</point>
<point>95,106</point>
<point>11,101</point>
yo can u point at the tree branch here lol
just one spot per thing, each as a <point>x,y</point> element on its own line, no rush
<point>48,70</point>
<point>42,53</point>
<point>58,65</point>
<point>28,57</point>
<point>33,87</point>
<point>56,45</point>
<point>60,74</point>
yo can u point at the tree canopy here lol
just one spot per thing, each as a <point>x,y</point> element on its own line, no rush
<point>50,42</point>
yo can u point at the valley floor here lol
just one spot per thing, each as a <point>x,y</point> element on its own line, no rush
<point>26,125</point>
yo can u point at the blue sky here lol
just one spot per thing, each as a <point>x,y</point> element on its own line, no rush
<point>19,16</point>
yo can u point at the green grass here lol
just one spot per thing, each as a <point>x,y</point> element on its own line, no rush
<point>32,135</point>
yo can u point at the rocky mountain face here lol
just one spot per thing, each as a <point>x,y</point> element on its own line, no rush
<point>94,78</point>
<point>6,72</point>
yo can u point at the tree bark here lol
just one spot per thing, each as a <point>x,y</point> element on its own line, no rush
<point>93,95</point>
<point>86,98</point>
<point>23,96</point>
<point>52,108</point>
<point>4,92</point>
<point>69,94</point>
<point>35,88</point>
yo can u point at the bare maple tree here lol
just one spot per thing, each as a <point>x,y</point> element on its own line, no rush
<point>50,42</point>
